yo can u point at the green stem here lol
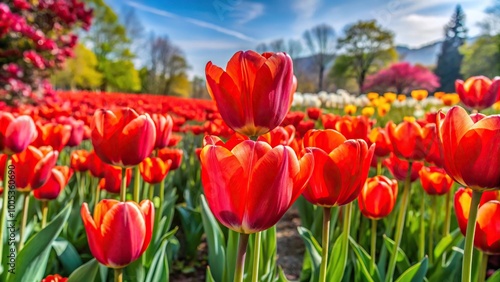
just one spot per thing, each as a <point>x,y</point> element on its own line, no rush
<point>447,219</point>
<point>379,166</point>
<point>345,234</point>
<point>431,231</point>
<point>484,267</point>
<point>24,220</point>
<point>326,240</point>
<point>45,212</point>
<point>240,257</point>
<point>469,236</point>
<point>118,274</point>
<point>399,225</point>
<point>136,184</point>
<point>421,245</point>
<point>151,190</point>
<point>6,189</point>
<point>123,190</point>
<point>256,256</point>
<point>162,192</point>
<point>82,185</point>
<point>373,245</point>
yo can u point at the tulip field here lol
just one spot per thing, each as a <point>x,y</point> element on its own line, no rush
<point>377,187</point>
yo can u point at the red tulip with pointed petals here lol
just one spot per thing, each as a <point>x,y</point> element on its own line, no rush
<point>478,92</point>
<point>154,170</point>
<point>33,167</point>
<point>378,197</point>
<point>164,125</point>
<point>470,148</point>
<point>399,168</point>
<point>435,181</point>
<point>409,140</point>
<point>119,232</point>
<point>57,181</point>
<point>340,167</point>
<point>250,187</point>
<point>16,133</point>
<point>122,137</point>
<point>487,235</point>
<point>255,91</point>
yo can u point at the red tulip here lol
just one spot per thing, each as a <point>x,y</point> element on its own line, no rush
<point>52,134</point>
<point>279,136</point>
<point>174,155</point>
<point>33,168</point>
<point>378,197</point>
<point>77,130</point>
<point>112,179</point>
<point>340,167</point>
<point>119,232</point>
<point>122,137</point>
<point>250,187</point>
<point>435,154</point>
<point>3,162</point>
<point>16,133</point>
<point>487,235</point>
<point>379,137</point>
<point>357,127</point>
<point>54,278</point>
<point>409,140</point>
<point>163,126</point>
<point>313,113</point>
<point>57,181</point>
<point>470,148</point>
<point>79,160</point>
<point>399,168</point>
<point>255,92</point>
<point>435,181</point>
<point>154,170</point>
<point>478,92</point>
<point>96,166</point>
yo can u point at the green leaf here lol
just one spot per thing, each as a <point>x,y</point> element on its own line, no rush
<point>281,275</point>
<point>415,273</point>
<point>365,261</point>
<point>495,277</point>
<point>193,230</point>
<point>445,244</point>
<point>159,267</point>
<point>32,259</point>
<point>208,277</point>
<point>67,254</point>
<point>231,253</point>
<point>86,272</point>
<point>337,260</point>
<point>215,242</point>
<point>313,249</point>
<point>402,261</point>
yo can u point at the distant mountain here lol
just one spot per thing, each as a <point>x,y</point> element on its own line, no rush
<point>425,55</point>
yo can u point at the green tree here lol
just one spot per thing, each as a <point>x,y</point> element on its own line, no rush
<point>80,71</point>
<point>111,44</point>
<point>367,47</point>
<point>481,58</point>
<point>320,41</point>
<point>450,58</point>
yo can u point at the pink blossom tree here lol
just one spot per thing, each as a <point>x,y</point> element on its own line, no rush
<point>402,78</point>
<point>36,37</point>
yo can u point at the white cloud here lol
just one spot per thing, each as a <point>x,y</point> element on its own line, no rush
<point>415,30</point>
<point>196,22</point>
<point>247,11</point>
<point>305,9</point>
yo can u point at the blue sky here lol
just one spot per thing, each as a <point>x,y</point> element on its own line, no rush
<point>214,29</point>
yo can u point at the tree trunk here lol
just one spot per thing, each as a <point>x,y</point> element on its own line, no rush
<point>320,81</point>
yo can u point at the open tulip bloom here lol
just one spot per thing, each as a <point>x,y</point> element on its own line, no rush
<point>471,157</point>
<point>249,187</point>
<point>255,91</point>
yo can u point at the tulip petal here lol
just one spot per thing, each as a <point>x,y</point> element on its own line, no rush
<point>137,139</point>
<point>20,133</point>
<point>225,185</point>
<point>148,209</point>
<point>271,187</point>
<point>326,140</point>
<point>123,231</point>
<point>248,153</point>
<point>324,185</point>
<point>450,132</point>
<point>93,234</point>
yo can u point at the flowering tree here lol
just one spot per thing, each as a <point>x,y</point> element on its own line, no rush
<point>36,38</point>
<point>402,78</point>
